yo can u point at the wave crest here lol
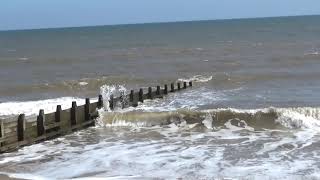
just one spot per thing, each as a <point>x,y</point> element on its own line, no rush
<point>259,119</point>
<point>197,78</point>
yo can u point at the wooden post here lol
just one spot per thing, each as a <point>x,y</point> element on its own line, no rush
<point>141,95</point>
<point>87,110</point>
<point>40,123</point>
<point>158,90</point>
<point>122,99</point>
<point>190,83</point>
<point>165,91</point>
<point>184,85</point>
<point>150,93</point>
<point>21,127</point>
<point>57,118</point>
<point>1,129</point>
<point>73,119</point>
<point>111,102</point>
<point>58,114</point>
<point>172,87</point>
<point>100,101</point>
<point>179,86</point>
<point>131,95</point>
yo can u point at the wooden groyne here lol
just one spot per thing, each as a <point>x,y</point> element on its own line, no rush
<point>20,130</point>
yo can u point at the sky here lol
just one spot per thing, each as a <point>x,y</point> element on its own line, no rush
<point>34,14</point>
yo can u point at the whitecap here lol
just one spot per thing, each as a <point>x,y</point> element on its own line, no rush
<point>23,58</point>
<point>312,53</point>
<point>197,78</point>
<point>83,83</point>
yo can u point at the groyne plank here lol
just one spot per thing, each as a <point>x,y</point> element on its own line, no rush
<point>17,131</point>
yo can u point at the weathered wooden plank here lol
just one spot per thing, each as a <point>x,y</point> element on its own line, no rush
<point>31,124</point>
<point>10,124</point>
<point>10,138</point>
<point>80,114</point>
<point>52,126</point>
<point>94,106</point>
<point>49,118</point>
<point>15,145</point>
<point>65,119</point>
<point>31,132</point>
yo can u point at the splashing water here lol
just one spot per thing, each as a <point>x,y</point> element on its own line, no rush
<point>106,91</point>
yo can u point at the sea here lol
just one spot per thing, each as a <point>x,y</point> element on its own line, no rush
<point>253,112</point>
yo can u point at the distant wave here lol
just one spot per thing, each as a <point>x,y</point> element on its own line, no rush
<point>312,53</point>
<point>23,58</point>
<point>197,78</point>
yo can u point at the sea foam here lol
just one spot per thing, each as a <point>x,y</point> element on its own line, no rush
<point>32,107</point>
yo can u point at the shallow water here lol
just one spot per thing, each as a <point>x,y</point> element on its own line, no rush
<point>253,112</point>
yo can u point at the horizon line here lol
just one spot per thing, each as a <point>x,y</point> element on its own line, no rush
<point>157,22</point>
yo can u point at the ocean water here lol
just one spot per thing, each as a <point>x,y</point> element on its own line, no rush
<point>253,113</point>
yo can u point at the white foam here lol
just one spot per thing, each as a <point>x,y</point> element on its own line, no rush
<point>180,153</point>
<point>33,107</point>
<point>312,53</point>
<point>294,118</point>
<point>26,176</point>
<point>83,83</point>
<point>197,78</point>
<point>190,99</point>
<point>303,117</point>
<point>107,90</point>
<point>23,58</point>
<point>208,121</point>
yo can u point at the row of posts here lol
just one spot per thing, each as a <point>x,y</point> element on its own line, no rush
<point>73,111</point>
<point>149,94</point>
<point>41,130</point>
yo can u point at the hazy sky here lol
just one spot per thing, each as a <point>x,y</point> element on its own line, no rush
<point>30,14</point>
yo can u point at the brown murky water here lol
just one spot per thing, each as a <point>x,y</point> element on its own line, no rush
<point>253,112</point>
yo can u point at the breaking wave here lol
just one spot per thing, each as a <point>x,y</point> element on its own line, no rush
<point>268,118</point>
